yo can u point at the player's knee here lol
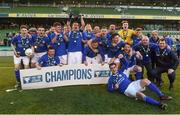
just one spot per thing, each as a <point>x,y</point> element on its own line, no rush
<point>17,67</point>
<point>146,81</point>
<point>140,95</point>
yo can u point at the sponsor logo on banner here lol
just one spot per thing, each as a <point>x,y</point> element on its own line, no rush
<point>102,73</point>
<point>32,79</point>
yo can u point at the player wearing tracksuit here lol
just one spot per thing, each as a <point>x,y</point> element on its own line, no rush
<point>167,61</point>
<point>119,81</point>
<point>145,48</point>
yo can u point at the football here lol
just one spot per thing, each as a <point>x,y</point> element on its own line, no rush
<point>29,52</point>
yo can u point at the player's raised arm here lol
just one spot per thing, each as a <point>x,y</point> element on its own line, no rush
<point>82,23</point>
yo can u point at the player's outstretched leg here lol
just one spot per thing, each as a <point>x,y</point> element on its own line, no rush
<point>150,100</point>
<point>154,88</point>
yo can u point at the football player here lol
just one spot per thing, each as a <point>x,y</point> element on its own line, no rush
<point>20,43</point>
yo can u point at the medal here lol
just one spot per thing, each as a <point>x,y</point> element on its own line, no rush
<point>58,44</point>
<point>146,51</point>
<point>35,47</point>
<point>24,49</point>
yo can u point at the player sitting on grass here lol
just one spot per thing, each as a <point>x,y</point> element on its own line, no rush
<point>119,81</point>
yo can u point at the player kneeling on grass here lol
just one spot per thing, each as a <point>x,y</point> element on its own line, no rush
<point>23,51</point>
<point>93,55</point>
<point>119,81</point>
<point>48,59</point>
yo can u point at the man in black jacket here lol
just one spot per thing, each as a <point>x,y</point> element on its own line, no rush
<point>166,61</point>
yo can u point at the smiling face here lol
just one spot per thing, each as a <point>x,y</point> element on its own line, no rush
<point>24,31</point>
<point>113,68</point>
<point>103,32</point>
<point>127,48</point>
<point>96,29</point>
<point>162,44</point>
<point>58,29</point>
<point>94,45</point>
<point>116,39</point>
<point>145,41</point>
<point>51,52</point>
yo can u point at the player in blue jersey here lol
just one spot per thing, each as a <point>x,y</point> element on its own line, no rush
<point>111,31</point>
<point>103,42</point>
<point>119,81</point>
<point>169,41</point>
<point>136,37</point>
<point>145,48</point>
<point>67,29</point>
<point>19,44</point>
<point>167,61</point>
<point>40,43</point>
<point>88,33</point>
<point>49,59</point>
<point>94,55</point>
<point>76,43</point>
<point>132,67</point>
<point>50,32</point>
<point>58,42</point>
<point>96,29</point>
<point>115,48</point>
<point>102,39</point>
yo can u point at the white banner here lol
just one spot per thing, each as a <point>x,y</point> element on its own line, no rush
<point>63,76</point>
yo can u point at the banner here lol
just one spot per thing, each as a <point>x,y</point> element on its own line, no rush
<point>64,76</point>
<point>93,16</point>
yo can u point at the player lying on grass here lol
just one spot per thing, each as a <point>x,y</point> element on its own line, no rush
<point>119,81</point>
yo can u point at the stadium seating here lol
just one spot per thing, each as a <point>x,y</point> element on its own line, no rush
<point>45,9</point>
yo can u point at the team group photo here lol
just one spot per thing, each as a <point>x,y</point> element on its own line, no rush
<point>89,57</point>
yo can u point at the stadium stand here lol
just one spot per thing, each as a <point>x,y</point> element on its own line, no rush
<point>89,10</point>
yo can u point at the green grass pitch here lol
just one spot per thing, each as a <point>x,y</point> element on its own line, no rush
<point>76,99</point>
